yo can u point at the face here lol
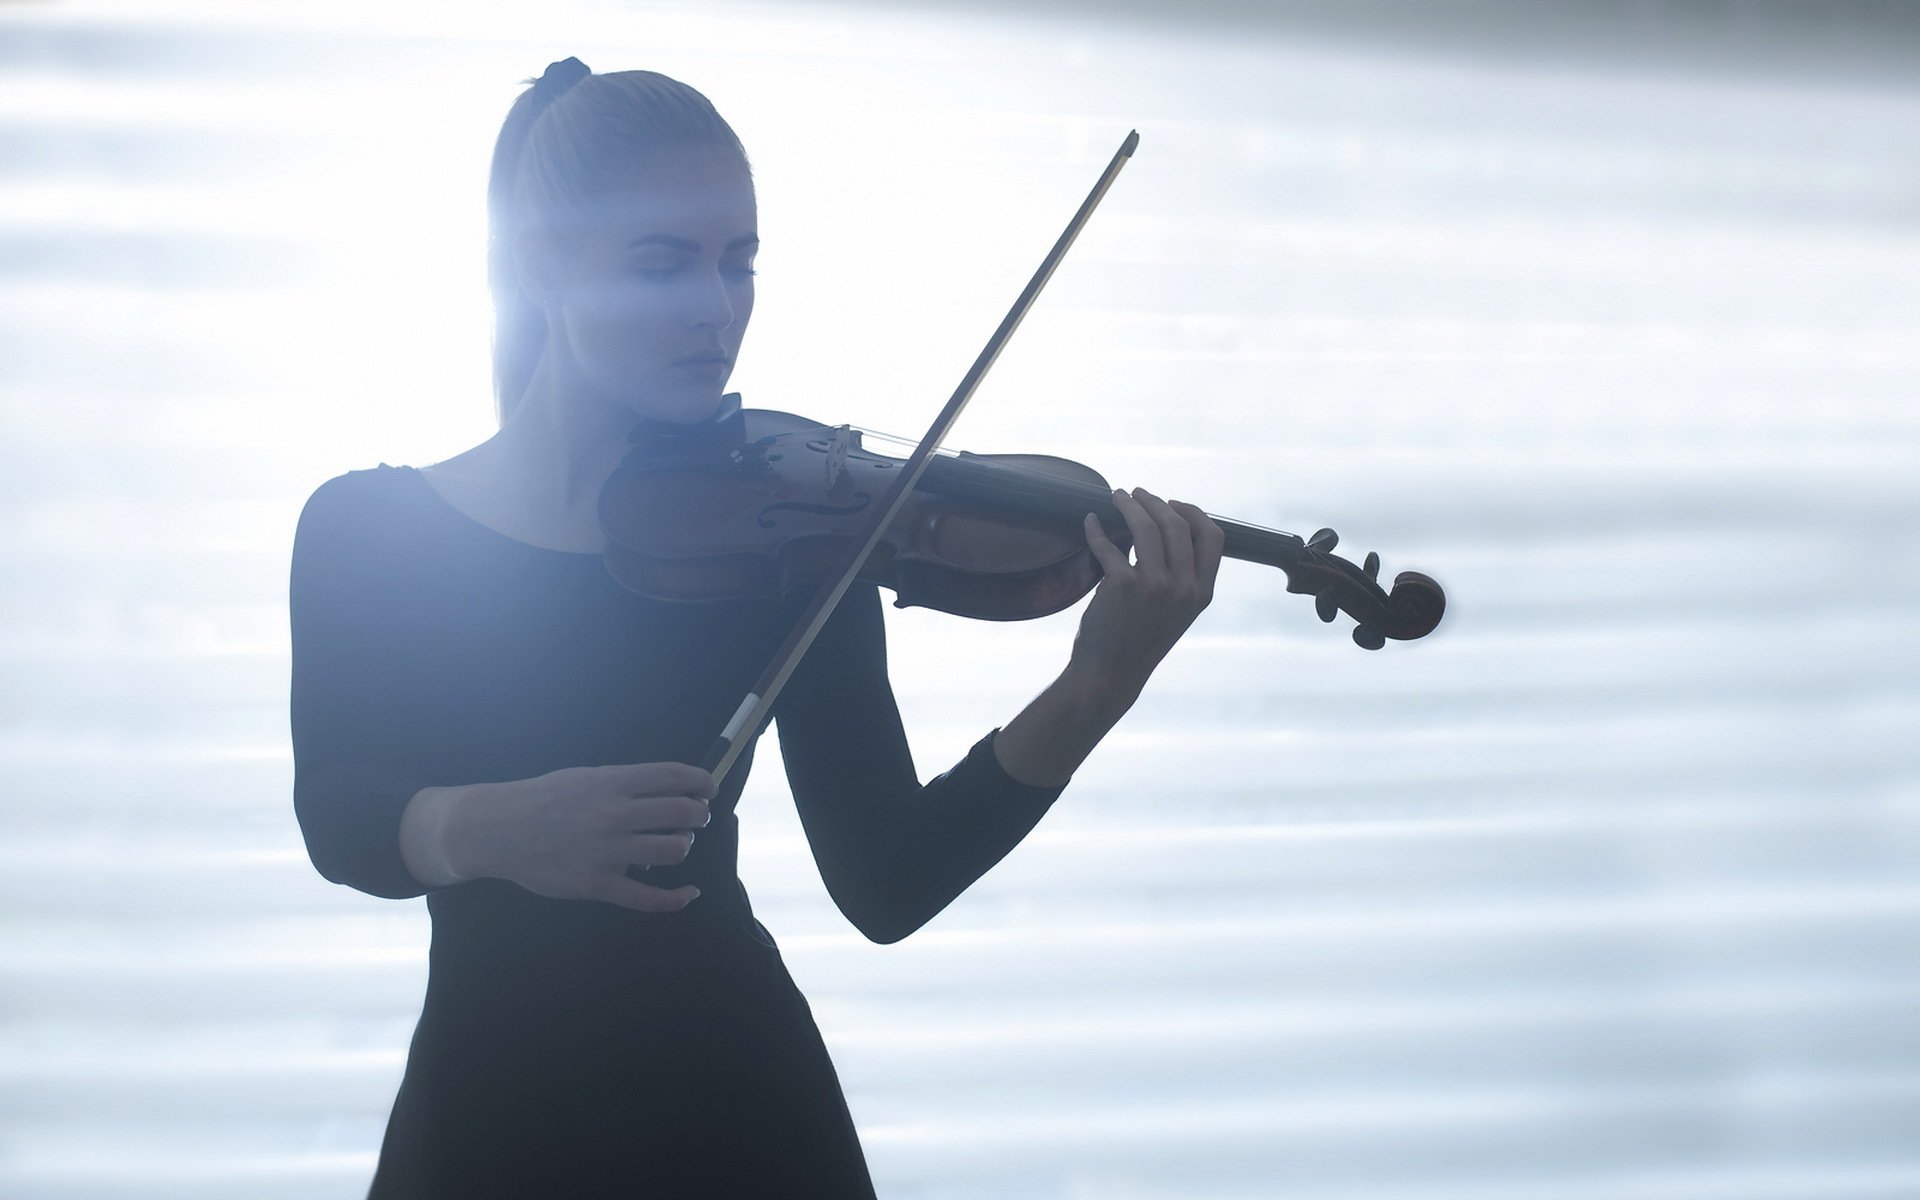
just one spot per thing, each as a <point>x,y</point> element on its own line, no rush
<point>651,299</point>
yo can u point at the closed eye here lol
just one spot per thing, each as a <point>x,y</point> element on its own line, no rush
<point>658,270</point>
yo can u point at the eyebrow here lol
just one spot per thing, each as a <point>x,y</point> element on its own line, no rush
<point>680,243</point>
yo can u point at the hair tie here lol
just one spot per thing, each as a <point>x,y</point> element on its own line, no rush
<point>559,77</point>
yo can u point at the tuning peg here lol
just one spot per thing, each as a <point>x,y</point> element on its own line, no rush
<point>1368,638</point>
<point>1372,565</point>
<point>1325,605</point>
<point>1323,541</point>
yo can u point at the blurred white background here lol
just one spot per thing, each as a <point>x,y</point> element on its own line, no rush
<point>1601,314</point>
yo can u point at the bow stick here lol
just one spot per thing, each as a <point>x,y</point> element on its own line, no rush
<point>754,709</point>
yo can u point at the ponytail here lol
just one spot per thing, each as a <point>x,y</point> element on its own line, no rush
<point>570,137</point>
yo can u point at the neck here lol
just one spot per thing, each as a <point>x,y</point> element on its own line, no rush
<point>559,443</point>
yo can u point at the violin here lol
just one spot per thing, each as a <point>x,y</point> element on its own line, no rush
<point>770,504</point>
<point>760,504</point>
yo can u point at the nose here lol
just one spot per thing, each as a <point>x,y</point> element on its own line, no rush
<point>713,308</point>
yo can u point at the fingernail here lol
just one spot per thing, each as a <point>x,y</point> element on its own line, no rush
<point>695,896</point>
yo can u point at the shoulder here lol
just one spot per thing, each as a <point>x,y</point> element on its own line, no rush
<point>358,494</point>
<point>361,503</point>
<point>358,516</point>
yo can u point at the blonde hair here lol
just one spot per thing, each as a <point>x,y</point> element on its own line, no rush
<point>559,149</point>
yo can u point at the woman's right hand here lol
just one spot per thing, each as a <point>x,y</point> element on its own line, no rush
<point>571,834</point>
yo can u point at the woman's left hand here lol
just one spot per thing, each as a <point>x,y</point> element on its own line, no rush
<point>1137,613</point>
<point>1142,607</point>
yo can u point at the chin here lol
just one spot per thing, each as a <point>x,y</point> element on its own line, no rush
<point>681,405</point>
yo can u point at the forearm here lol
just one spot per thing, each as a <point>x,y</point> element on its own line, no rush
<point>892,853</point>
<point>1046,743</point>
<point>449,835</point>
<point>428,829</point>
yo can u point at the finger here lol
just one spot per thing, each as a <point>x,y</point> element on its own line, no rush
<point>651,814</point>
<point>1148,554</point>
<point>1110,557</point>
<point>665,779</point>
<point>654,849</point>
<point>1175,536</point>
<point>616,888</point>
<point>1209,541</point>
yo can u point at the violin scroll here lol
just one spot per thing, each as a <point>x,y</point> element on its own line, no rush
<point>1412,610</point>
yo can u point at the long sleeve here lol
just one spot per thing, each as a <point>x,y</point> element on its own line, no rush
<point>892,852</point>
<point>567,1047</point>
<point>348,799</point>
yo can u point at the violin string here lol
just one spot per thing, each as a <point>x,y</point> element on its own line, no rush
<point>1040,488</point>
<point>1041,484</point>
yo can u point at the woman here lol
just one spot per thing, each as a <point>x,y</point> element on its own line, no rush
<point>482,715</point>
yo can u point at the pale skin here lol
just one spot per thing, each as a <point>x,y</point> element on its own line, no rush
<point>646,307</point>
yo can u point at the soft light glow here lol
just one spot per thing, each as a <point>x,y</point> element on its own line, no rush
<point>1605,890</point>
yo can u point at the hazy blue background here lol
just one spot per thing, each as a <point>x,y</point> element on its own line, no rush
<point>1602,314</point>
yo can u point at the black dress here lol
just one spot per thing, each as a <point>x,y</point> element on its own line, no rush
<point>574,1048</point>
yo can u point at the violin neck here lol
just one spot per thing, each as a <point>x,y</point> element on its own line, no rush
<point>1253,543</point>
<point>977,477</point>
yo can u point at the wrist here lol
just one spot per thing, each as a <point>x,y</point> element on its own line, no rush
<point>437,841</point>
<point>1097,693</point>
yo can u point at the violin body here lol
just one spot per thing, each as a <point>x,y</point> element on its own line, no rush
<point>763,505</point>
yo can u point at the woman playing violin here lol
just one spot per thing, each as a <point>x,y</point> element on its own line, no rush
<point>481,715</point>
